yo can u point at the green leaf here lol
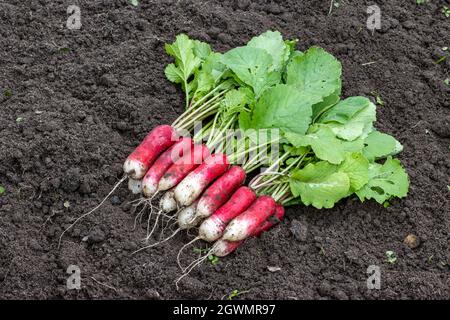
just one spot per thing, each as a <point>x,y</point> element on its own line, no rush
<point>284,107</point>
<point>134,2</point>
<point>272,42</point>
<point>323,142</point>
<point>353,146</point>
<point>324,105</point>
<point>202,50</point>
<point>315,71</point>
<point>385,182</point>
<point>253,67</point>
<point>185,61</point>
<point>320,185</point>
<point>351,118</point>
<point>380,145</point>
<point>173,74</point>
<point>356,167</point>
<point>2,190</point>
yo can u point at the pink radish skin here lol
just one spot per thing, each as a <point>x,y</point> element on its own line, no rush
<point>271,221</point>
<point>182,167</point>
<point>160,166</point>
<point>212,228</point>
<point>192,186</point>
<point>245,225</point>
<point>223,248</point>
<point>220,191</point>
<point>156,142</point>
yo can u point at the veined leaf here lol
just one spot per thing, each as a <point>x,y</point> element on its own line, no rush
<point>272,42</point>
<point>284,107</point>
<point>322,141</point>
<point>380,145</point>
<point>186,62</point>
<point>315,71</point>
<point>385,181</point>
<point>351,118</point>
<point>356,167</point>
<point>320,185</point>
<point>253,67</point>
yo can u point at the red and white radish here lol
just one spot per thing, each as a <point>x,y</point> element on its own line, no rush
<point>182,167</point>
<point>167,202</point>
<point>212,228</point>
<point>191,187</point>
<point>156,142</point>
<point>160,166</point>
<point>220,191</point>
<point>135,186</point>
<point>244,225</point>
<point>271,221</point>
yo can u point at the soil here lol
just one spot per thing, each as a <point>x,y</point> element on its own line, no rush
<point>74,103</point>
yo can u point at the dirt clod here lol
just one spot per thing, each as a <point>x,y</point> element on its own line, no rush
<point>412,241</point>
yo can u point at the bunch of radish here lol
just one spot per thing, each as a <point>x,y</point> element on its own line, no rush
<point>319,148</point>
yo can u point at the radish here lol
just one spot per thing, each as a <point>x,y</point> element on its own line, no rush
<point>135,186</point>
<point>188,190</point>
<point>271,221</point>
<point>156,142</point>
<point>222,247</point>
<point>219,192</point>
<point>247,223</point>
<point>164,161</point>
<point>182,167</point>
<point>168,202</point>
<point>212,228</point>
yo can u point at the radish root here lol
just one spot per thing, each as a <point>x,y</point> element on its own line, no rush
<point>91,211</point>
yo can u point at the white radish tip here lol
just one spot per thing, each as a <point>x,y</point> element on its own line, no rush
<point>187,218</point>
<point>149,189</point>
<point>134,169</point>
<point>188,190</point>
<point>168,203</point>
<point>237,230</point>
<point>135,186</point>
<point>203,209</point>
<point>210,230</point>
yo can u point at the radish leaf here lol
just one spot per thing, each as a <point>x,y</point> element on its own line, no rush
<point>320,185</point>
<point>284,107</point>
<point>315,71</point>
<point>385,181</point>
<point>322,141</point>
<point>272,42</point>
<point>357,169</point>
<point>252,66</point>
<point>351,118</point>
<point>380,145</point>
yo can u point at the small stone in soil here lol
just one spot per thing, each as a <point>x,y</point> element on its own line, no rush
<point>96,235</point>
<point>273,269</point>
<point>152,294</point>
<point>299,230</point>
<point>412,241</point>
<point>115,200</point>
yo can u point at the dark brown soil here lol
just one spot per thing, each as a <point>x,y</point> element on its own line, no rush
<point>74,103</point>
